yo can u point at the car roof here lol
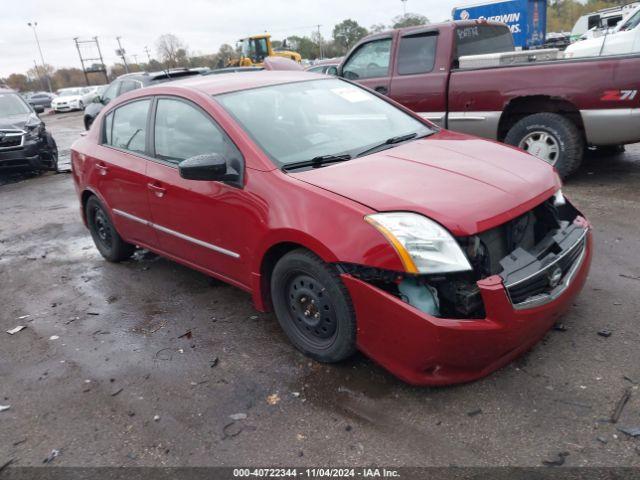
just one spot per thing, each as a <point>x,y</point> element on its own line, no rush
<point>233,82</point>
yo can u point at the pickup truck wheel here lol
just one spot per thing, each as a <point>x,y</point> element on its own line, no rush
<point>108,242</point>
<point>313,307</point>
<point>550,137</point>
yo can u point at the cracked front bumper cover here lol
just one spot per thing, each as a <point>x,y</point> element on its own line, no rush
<point>426,350</point>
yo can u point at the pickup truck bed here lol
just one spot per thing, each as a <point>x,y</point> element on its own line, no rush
<point>552,109</point>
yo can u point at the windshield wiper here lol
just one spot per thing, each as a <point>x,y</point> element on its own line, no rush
<point>317,162</point>
<point>388,143</point>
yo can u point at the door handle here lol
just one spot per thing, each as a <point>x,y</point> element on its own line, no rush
<point>157,189</point>
<point>102,168</point>
<point>382,89</point>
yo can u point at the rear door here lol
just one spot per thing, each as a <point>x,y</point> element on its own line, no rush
<point>418,82</point>
<point>120,170</point>
<point>370,64</point>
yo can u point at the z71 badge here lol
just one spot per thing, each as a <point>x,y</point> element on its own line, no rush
<point>619,95</point>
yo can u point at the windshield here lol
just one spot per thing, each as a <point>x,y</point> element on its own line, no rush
<point>296,122</point>
<point>69,93</point>
<point>12,104</point>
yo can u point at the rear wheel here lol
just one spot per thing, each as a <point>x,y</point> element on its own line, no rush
<point>108,242</point>
<point>550,137</point>
<point>313,307</point>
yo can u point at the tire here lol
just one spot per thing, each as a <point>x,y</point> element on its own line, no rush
<point>313,307</point>
<point>546,132</point>
<point>52,153</point>
<point>80,105</point>
<point>107,240</point>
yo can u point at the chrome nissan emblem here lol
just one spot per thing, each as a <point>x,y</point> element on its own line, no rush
<point>554,277</point>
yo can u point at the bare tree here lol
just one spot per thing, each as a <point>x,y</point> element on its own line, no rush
<point>171,49</point>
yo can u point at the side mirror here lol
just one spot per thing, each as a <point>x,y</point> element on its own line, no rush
<point>38,108</point>
<point>210,166</point>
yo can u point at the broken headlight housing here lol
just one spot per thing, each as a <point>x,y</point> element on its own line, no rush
<point>423,245</point>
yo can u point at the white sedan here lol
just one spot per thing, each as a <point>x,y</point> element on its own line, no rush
<point>72,99</point>
<point>625,39</point>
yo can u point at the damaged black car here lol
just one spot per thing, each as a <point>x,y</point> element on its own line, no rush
<point>25,143</point>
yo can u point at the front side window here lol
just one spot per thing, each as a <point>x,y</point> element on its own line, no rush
<point>12,104</point>
<point>126,126</point>
<point>298,122</point>
<point>259,49</point>
<point>183,131</point>
<point>417,53</point>
<point>110,93</point>
<point>632,23</point>
<point>369,61</point>
<point>129,85</point>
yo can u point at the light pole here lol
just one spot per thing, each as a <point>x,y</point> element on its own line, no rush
<point>404,7</point>
<point>33,25</point>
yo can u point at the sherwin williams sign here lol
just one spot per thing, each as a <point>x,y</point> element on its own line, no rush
<point>527,19</point>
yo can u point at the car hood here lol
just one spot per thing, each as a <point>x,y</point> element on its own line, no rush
<point>467,184</point>
<point>17,122</point>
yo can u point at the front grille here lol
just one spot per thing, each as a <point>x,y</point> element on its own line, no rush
<point>548,278</point>
<point>10,139</point>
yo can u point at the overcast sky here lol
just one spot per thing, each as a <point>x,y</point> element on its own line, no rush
<point>202,24</point>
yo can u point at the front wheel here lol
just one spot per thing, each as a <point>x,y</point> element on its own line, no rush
<point>108,242</point>
<point>550,137</point>
<point>313,307</point>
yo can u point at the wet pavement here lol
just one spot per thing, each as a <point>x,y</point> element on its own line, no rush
<point>107,371</point>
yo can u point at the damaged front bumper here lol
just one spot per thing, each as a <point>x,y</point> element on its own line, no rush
<point>423,349</point>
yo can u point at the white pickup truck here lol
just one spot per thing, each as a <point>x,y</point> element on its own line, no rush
<point>624,39</point>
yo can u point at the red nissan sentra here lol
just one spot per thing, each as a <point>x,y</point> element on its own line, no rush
<point>362,226</point>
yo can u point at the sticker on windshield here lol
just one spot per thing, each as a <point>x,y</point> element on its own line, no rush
<point>352,94</point>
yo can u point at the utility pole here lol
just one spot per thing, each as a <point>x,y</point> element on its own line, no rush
<point>146,49</point>
<point>320,42</point>
<point>120,52</point>
<point>104,67</point>
<point>135,59</point>
<point>404,7</point>
<point>38,74</point>
<point>88,64</point>
<point>33,25</point>
<point>84,70</point>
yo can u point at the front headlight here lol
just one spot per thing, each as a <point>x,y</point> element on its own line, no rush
<point>423,245</point>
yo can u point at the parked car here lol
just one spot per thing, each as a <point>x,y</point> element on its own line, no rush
<point>594,23</point>
<point>362,225</point>
<point>328,66</point>
<point>551,109</point>
<point>42,99</point>
<point>24,140</point>
<point>70,99</point>
<point>624,39</point>
<point>132,81</point>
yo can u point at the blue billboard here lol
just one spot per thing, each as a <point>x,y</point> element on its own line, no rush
<point>526,18</point>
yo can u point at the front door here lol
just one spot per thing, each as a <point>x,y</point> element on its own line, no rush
<point>195,220</point>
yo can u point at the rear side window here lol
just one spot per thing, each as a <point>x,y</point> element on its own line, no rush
<point>126,126</point>
<point>483,39</point>
<point>183,131</point>
<point>417,53</point>
<point>369,61</point>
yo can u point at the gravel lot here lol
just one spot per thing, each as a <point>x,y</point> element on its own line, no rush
<point>104,373</point>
